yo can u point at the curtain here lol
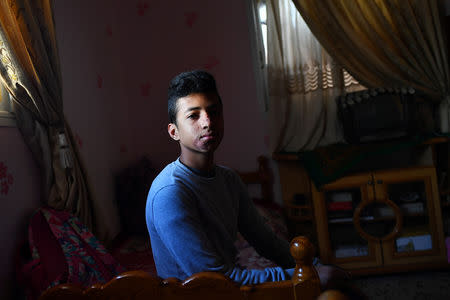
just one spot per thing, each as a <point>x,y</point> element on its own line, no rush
<point>29,69</point>
<point>303,82</point>
<point>388,43</point>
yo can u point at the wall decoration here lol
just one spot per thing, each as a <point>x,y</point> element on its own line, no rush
<point>78,140</point>
<point>6,179</point>
<point>109,30</point>
<point>141,8</point>
<point>145,88</point>
<point>123,148</point>
<point>190,18</point>
<point>211,62</point>
<point>99,81</point>
<point>267,140</point>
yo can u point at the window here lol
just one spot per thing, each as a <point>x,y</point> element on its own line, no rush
<point>350,83</point>
<point>262,13</point>
<point>6,116</point>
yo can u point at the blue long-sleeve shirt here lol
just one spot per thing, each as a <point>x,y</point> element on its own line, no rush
<point>193,223</point>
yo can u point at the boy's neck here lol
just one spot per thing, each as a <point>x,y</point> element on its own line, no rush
<point>198,161</point>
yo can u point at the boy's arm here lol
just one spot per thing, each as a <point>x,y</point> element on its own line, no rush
<point>255,230</point>
<point>252,226</point>
<point>179,225</point>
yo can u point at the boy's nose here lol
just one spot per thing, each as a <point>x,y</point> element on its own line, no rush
<point>206,121</point>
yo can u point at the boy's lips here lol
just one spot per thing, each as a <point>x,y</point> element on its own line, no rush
<point>208,137</point>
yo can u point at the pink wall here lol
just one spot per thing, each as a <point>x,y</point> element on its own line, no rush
<point>117,58</point>
<point>19,196</point>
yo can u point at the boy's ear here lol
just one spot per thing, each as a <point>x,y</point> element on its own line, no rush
<point>173,131</point>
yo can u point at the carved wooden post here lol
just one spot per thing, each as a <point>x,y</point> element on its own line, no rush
<point>332,295</point>
<point>305,277</point>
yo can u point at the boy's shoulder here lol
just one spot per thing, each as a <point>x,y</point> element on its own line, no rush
<point>165,177</point>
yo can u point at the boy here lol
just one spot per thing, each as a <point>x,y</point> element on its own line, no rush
<point>194,207</point>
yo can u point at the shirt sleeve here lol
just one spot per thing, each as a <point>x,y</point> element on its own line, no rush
<point>254,229</point>
<point>179,225</point>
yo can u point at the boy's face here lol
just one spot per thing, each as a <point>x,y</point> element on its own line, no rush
<point>199,125</point>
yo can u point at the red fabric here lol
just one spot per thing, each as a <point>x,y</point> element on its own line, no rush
<point>62,250</point>
<point>51,263</point>
<point>340,205</point>
<point>135,253</point>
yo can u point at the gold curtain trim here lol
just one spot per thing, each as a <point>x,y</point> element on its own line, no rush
<point>384,42</point>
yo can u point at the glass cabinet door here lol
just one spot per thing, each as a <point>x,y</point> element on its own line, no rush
<point>414,193</point>
<point>345,241</point>
<point>339,241</point>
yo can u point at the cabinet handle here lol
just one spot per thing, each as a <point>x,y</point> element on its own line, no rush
<point>379,181</point>
<point>370,182</point>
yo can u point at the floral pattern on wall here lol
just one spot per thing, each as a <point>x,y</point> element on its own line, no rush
<point>190,18</point>
<point>99,81</point>
<point>131,50</point>
<point>108,30</point>
<point>141,7</point>
<point>145,88</point>
<point>78,140</point>
<point>6,179</point>
<point>123,148</point>
<point>211,62</point>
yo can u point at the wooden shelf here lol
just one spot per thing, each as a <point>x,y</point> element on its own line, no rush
<point>284,156</point>
<point>437,140</point>
<point>349,220</point>
<point>382,256</point>
<point>444,192</point>
<point>299,206</point>
<point>301,218</point>
<point>300,213</point>
<point>383,253</point>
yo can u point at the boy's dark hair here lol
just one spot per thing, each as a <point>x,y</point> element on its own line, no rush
<point>186,83</point>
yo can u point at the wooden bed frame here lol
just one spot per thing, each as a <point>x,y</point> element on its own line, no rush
<point>139,285</point>
<point>262,177</point>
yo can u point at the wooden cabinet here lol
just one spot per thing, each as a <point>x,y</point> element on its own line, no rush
<point>442,152</point>
<point>296,193</point>
<point>382,221</point>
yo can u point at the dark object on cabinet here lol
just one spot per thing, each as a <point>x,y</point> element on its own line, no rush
<point>379,114</point>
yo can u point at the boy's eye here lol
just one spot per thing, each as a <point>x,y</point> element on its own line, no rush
<point>192,116</point>
<point>214,112</point>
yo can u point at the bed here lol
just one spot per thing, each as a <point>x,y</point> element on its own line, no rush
<point>140,281</point>
<point>133,249</point>
<point>140,285</point>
